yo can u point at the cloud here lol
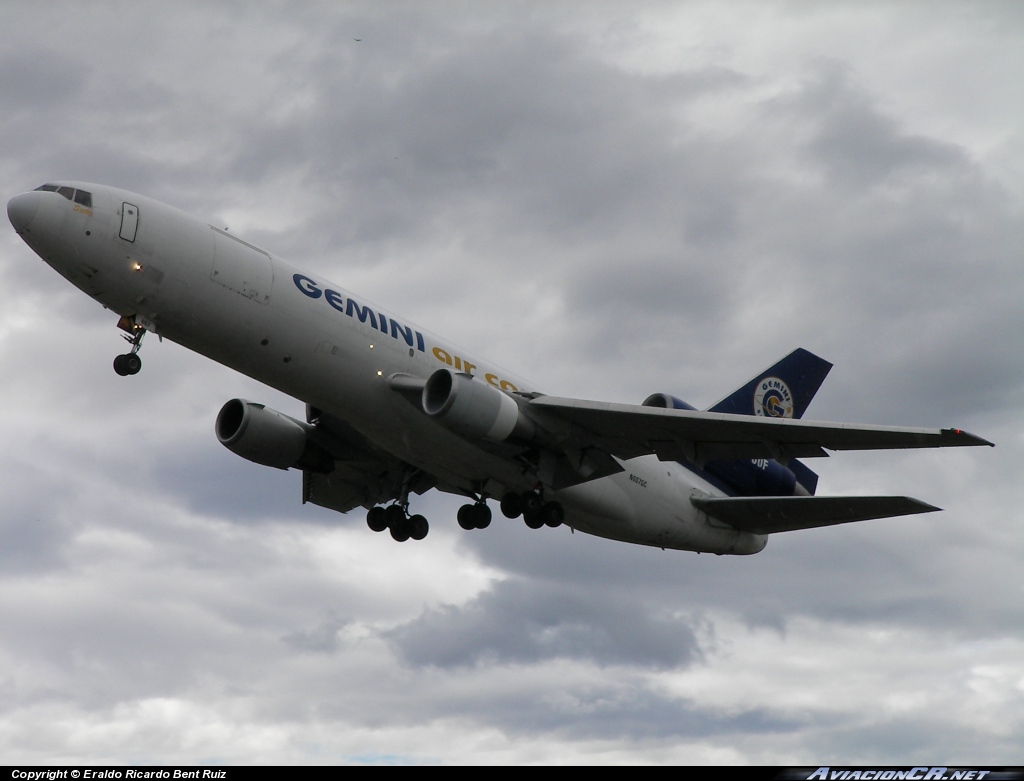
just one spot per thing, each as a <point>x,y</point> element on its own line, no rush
<point>611,203</point>
<point>517,622</point>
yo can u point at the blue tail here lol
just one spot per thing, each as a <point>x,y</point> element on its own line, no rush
<point>782,391</point>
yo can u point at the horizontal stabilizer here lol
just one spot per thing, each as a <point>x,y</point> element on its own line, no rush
<point>770,514</point>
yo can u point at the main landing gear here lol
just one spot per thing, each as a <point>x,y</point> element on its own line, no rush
<point>530,504</point>
<point>130,363</point>
<point>535,511</point>
<point>475,516</point>
<point>396,518</point>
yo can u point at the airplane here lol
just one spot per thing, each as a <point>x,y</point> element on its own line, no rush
<point>393,411</point>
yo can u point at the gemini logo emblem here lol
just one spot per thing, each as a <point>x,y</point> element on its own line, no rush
<point>773,399</point>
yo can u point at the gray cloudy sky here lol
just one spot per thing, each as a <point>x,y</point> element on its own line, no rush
<point>612,199</point>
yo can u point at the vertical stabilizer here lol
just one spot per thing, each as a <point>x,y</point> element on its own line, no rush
<point>781,391</point>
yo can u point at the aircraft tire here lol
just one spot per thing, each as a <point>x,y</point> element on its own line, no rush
<point>466,517</point>
<point>481,516</point>
<point>533,520</point>
<point>418,527</point>
<point>530,502</point>
<point>511,506</point>
<point>119,366</point>
<point>552,514</point>
<point>400,532</point>
<point>377,519</point>
<point>132,363</point>
<point>394,515</point>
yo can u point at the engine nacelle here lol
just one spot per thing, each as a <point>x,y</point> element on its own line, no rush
<point>756,477</point>
<point>664,401</point>
<point>268,437</point>
<point>474,409</point>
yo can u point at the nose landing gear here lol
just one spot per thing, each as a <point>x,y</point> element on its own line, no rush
<point>130,363</point>
<point>126,365</point>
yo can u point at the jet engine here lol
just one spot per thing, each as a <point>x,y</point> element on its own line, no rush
<point>270,438</point>
<point>664,401</point>
<point>474,409</point>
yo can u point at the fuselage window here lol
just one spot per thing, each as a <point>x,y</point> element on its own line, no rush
<point>84,198</point>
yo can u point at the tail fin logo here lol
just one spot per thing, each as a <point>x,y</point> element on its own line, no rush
<point>773,399</point>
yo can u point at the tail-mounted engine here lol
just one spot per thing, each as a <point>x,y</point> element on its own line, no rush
<point>664,401</point>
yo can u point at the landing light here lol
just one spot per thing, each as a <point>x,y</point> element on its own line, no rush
<point>136,266</point>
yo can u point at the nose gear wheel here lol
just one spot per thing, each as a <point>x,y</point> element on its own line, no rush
<point>130,363</point>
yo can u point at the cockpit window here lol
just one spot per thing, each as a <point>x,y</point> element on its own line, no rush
<point>78,196</point>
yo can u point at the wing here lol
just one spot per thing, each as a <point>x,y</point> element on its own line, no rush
<point>627,431</point>
<point>363,475</point>
<point>767,515</point>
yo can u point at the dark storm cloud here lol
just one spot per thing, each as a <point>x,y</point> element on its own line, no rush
<point>40,79</point>
<point>221,483</point>
<point>859,146</point>
<point>860,573</point>
<point>487,128</point>
<point>33,533</point>
<point>322,638</point>
<point>611,229</point>
<point>913,243</point>
<point>524,622</point>
<point>609,713</point>
<point>898,740</point>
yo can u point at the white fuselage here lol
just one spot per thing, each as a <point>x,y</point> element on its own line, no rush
<point>313,340</point>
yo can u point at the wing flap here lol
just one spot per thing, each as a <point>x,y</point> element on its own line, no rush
<point>363,474</point>
<point>768,515</point>
<point>331,492</point>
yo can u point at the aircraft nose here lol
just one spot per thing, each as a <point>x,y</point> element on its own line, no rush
<point>21,209</point>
